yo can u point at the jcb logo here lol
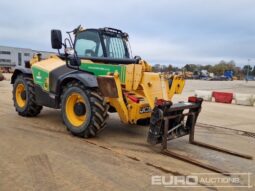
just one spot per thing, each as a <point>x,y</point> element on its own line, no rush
<point>146,109</point>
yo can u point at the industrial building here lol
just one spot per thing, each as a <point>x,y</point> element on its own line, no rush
<point>12,56</point>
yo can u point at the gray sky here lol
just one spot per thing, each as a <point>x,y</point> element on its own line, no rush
<point>174,32</point>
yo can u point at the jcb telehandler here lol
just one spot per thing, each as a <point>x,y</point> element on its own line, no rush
<point>95,75</point>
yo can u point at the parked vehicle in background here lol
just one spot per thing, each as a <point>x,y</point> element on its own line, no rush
<point>218,78</point>
<point>203,75</point>
<point>229,74</point>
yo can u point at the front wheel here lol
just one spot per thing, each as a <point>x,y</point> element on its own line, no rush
<point>84,111</point>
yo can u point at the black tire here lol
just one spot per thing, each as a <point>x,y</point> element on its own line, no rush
<point>95,106</point>
<point>30,108</point>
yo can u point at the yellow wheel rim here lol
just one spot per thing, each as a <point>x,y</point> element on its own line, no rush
<point>19,90</point>
<point>73,118</point>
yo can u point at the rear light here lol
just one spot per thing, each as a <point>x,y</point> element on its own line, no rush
<point>193,99</point>
<point>160,102</point>
<point>133,98</point>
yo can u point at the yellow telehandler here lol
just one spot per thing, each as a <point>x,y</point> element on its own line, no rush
<point>97,74</point>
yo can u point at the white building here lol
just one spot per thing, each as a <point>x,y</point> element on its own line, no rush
<point>11,56</point>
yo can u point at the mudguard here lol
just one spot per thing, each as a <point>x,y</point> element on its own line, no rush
<point>20,70</point>
<point>88,80</point>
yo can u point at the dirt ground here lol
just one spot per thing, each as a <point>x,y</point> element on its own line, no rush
<point>39,154</point>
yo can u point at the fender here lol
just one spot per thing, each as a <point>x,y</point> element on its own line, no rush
<point>21,70</point>
<point>88,80</point>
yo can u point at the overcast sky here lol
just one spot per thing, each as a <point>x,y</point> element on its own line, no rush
<point>174,32</point>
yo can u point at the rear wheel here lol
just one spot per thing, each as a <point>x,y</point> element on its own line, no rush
<point>24,97</point>
<point>84,111</point>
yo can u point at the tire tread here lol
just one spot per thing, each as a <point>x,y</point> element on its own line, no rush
<point>99,110</point>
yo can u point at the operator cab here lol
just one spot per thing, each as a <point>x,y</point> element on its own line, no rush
<point>105,42</point>
<point>104,45</point>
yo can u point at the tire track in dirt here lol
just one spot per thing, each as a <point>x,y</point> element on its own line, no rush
<point>110,149</point>
<point>41,173</point>
<point>237,131</point>
<point>103,146</point>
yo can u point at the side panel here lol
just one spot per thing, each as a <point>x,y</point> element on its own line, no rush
<point>44,98</point>
<point>56,75</point>
<point>104,69</point>
<point>41,78</point>
<point>41,71</point>
<point>50,73</point>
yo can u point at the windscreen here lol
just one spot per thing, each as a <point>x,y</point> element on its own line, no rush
<point>88,44</point>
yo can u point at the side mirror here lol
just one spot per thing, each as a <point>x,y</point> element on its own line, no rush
<point>56,39</point>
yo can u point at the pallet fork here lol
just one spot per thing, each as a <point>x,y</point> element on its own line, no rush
<point>169,121</point>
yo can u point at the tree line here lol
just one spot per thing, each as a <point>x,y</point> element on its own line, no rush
<point>217,69</point>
